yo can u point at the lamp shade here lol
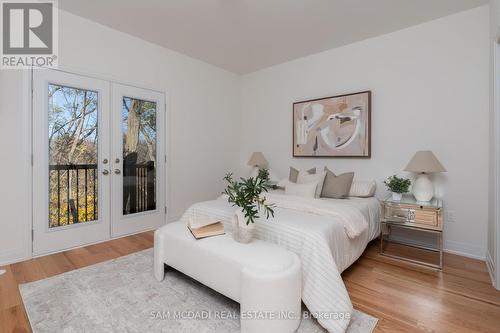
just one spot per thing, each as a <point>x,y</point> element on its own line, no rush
<point>424,161</point>
<point>258,160</point>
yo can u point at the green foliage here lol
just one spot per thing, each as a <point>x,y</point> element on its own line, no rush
<point>246,194</point>
<point>59,207</point>
<point>397,185</point>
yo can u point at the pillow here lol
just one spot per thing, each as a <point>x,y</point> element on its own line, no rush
<point>282,183</point>
<point>318,178</point>
<point>363,188</point>
<point>301,190</point>
<point>294,174</point>
<point>337,187</point>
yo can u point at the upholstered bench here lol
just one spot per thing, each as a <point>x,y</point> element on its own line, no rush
<point>264,278</point>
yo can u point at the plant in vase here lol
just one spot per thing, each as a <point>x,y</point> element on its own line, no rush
<point>397,186</point>
<point>247,195</point>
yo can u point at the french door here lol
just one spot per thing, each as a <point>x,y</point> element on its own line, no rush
<point>138,159</point>
<point>97,166</point>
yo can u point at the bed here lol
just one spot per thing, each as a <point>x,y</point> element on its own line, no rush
<point>327,234</point>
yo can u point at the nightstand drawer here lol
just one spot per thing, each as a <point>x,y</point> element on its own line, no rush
<point>413,214</point>
<point>397,213</point>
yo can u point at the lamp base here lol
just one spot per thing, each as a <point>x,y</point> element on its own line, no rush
<point>255,171</point>
<point>423,190</point>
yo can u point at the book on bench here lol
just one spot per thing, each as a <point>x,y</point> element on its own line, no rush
<point>214,229</point>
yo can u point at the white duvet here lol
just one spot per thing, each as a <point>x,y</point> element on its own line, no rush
<point>342,211</point>
<point>327,234</point>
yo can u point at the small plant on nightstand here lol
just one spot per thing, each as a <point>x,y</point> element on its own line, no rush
<point>397,186</point>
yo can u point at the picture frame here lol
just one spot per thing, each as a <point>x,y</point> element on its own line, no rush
<point>333,127</point>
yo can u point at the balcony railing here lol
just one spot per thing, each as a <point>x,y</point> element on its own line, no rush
<point>139,188</point>
<point>69,185</point>
<point>73,192</point>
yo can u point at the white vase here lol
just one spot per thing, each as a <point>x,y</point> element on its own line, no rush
<point>397,196</point>
<point>242,232</point>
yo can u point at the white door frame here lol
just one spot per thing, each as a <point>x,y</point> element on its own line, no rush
<point>46,239</point>
<point>27,128</point>
<point>495,262</point>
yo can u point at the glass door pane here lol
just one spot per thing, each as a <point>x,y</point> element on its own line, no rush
<point>73,141</point>
<point>138,124</point>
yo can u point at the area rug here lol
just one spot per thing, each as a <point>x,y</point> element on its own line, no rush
<point>122,295</point>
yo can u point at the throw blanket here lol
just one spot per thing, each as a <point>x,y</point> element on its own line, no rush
<point>323,291</point>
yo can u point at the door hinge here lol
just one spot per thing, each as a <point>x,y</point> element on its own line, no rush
<point>32,234</point>
<point>165,209</point>
<point>165,158</point>
<point>31,159</point>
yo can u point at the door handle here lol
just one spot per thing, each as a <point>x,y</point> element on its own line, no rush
<point>105,172</point>
<point>117,171</point>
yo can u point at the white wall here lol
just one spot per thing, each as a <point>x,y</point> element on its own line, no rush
<point>202,110</point>
<point>430,91</point>
<point>15,196</point>
<point>494,16</point>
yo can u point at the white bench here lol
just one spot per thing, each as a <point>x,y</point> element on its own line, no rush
<point>264,278</point>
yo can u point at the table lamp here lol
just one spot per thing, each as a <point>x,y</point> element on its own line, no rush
<point>258,161</point>
<point>423,163</point>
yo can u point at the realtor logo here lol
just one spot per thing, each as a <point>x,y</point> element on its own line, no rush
<point>29,34</point>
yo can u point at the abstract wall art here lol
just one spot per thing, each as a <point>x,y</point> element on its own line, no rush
<point>337,126</point>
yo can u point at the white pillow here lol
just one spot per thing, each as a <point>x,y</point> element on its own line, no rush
<point>282,183</point>
<point>301,190</point>
<point>362,188</point>
<point>318,178</point>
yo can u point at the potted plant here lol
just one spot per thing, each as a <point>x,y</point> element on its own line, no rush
<point>397,186</point>
<point>247,195</point>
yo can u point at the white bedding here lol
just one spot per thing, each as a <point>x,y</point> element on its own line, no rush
<point>342,211</point>
<point>321,241</point>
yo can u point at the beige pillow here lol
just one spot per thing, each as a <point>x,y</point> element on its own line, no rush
<point>301,190</point>
<point>305,177</point>
<point>337,187</point>
<point>294,174</point>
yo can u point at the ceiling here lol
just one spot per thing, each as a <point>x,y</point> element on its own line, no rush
<point>243,36</point>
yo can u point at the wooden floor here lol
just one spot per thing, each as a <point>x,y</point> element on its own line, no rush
<point>406,298</point>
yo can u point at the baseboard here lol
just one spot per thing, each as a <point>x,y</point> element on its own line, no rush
<point>462,249</point>
<point>490,264</point>
<point>465,250</point>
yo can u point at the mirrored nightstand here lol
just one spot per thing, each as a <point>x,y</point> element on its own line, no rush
<point>413,218</point>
